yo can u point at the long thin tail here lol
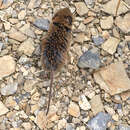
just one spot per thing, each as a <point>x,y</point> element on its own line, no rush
<point>51,78</point>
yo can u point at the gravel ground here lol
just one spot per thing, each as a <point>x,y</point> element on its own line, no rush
<point>91,93</point>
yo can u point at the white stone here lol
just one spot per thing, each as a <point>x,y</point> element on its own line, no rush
<point>3,109</point>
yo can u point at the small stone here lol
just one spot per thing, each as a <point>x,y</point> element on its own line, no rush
<point>5,3</point>
<point>99,122</point>
<point>113,78</point>
<point>17,35</point>
<point>82,27</point>
<point>27,47</point>
<point>22,15</point>
<point>69,127</point>
<point>115,117</point>
<point>110,7</point>
<point>42,24</point>
<point>61,124</point>
<point>74,110</point>
<point>3,109</point>
<point>27,30</point>
<point>83,103</point>
<point>96,104</point>
<point>109,110</point>
<point>7,26</point>
<point>34,4</point>
<point>80,38</point>
<point>106,22</point>
<point>110,45</point>
<point>123,23</point>
<point>125,95</point>
<point>9,89</point>
<point>81,128</point>
<point>123,127</point>
<point>88,20</point>
<point>10,102</point>
<point>89,59</point>
<point>27,126</point>
<point>89,3</point>
<point>13,20</point>
<point>81,8</point>
<point>98,40</point>
<point>1,45</point>
<point>7,66</point>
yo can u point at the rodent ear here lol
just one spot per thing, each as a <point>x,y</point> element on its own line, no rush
<point>69,19</point>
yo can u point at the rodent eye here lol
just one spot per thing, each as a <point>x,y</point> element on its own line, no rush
<point>69,19</point>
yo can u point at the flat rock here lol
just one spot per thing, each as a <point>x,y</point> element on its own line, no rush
<point>113,78</point>
<point>110,45</point>
<point>26,29</point>
<point>27,47</point>
<point>98,40</point>
<point>74,110</point>
<point>96,104</point>
<point>110,7</point>
<point>42,24</point>
<point>5,3</point>
<point>123,23</point>
<point>81,8</point>
<point>3,109</point>
<point>17,35</point>
<point>83,103</point>
<point>106,22</point>
<point>22,14</point>
<point>7,64</point>
<point>99,122</point>
<point>9,89</point>
<point>89,59</point>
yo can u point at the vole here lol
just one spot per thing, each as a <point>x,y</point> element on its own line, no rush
<point>56,44</point>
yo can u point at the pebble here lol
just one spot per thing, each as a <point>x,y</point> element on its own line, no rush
<point>7,26</point>
<point>73,109</point>
<point>22,14</point>
<point>5,4</point>
<point>34,4</point>
<point>110,7</point>
<point>106,22</point>
<point>7,64</point>
<point>110,45</point>
<point>88,20</point>
<point>123,23</point>
<point>99,122</point>
<point>1,46</point>
<point>81,8</point>
<point>98,40</point>
<point>17,35</point>
<point>96,104</point>
<point>83,103</point>
<point>80,37</point>
<point>9,89</point>
<point>125,95</point>
<point>27,126</point>
<point>113,78</point>
<point>27,47</point>
<point>89,59</point>
<point>62,124</point>
<point>42,24</point>
<point>90,3</point>
<point>69,127</point>
<point>110,110</point>
<point>3,109</point>
<point>123,127</point>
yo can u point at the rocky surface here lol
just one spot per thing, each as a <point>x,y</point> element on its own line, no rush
<point>92,92</point>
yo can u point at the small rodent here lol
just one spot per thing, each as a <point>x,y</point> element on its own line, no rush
<point>56,44</point>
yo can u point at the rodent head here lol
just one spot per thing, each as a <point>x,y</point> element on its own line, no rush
<point>64,16</point>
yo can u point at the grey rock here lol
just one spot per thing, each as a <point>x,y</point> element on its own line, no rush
<point>9,89</point>
<point>98,40</point>
<point>1,45</point>
<point>99,122</point>
<point>89,59</point>
<point>129,45</point>
<point>43,24</point>
<point>23,59</point>
<point>37,50</point>
<point>90,3</point>
<point>123,127</point>
<point>69,127</point>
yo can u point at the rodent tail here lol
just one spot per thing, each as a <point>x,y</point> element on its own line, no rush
<point>51,78</point>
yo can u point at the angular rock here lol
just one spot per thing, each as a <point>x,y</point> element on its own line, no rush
<point>83,103</point>
<point>123,127</point>
<point>99,122</point>
<point>74,110</point>
<point>69,127</point>
<point>106,22</point>
<point>81,8</point>
<point>96,104</point>
<point>26,29</point>
<point>7,26</point>
<point>125,95</point>
<point>98,40</point>
<point>1,45</point>
<point>88,20</point>
<point>110,7</point>
<point>34,4</point>
<point>3,109</point>
<point>27,47</point>
<point>9,89</point>
<point>5,3</point>
<point>110,45</point>
<point>61,124</point>
<point>7,66</point>
<point>42,24</point>
<point>80,38</point>
<point>17,35</point>
<point>123,23</point>
<point>89,3</point>
<point>22,14</point>
<point>113,78</point>
<point>89,59</point>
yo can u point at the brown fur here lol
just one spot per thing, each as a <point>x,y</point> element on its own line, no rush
<point>55,45</point>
